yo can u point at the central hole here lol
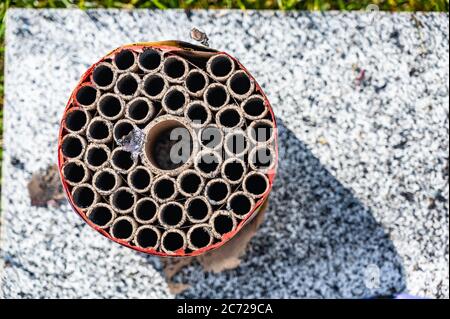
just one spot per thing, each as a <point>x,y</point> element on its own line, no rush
<point>110,106</point>
<point>150,59</point>
<point>122,229</point>
<point>173,241</point>
<point>197,209</point>
<point>140,179</point>
<point>190,183</point>
<point>174,67</point>
<point>261,132</point>
<point>71,147</point>
<point>172,214</point>
<point>122,129</point>
<point>223,224</point>
<point>105,181</point>
<point>254,106</point>
<point>230,118</point>
<point>208,163</point>
<point>211,137</point>
<point>146,210</point>
<point>86,95</point>
<point>216,96</point>
<point>76,120</point>
<point>154,85</point>
<point>236,143</point>
<point>197,113</point>
<point>98,130</point>
<point>127,85</point>
<point>256,184</point>
<point>122,159</point>
<point>147,237</point>
<point>234,170</point>
<point>96,156</point>
<point>262,158</point>
<point>174,99</point>
<point>124,59</point>
<point>217,191</point>
<point>123,200</point>
<point>240,204</point>
<point>74,172</point>
<point>200,237</point>
<point>138,110</point>
<point>221,66</point>
<point>83,197</point>
<point>240,83</point>
<point>100,215</point>
<point>164,188</point>
<point>103,75</point>
<point>195,82</point>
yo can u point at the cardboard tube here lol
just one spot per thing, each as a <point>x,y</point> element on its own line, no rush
<point>196,82</point>
<point>125,61</point>
<point>147,237</point>
<point>256,184</point>
<point>164,189</point>
<point>254,107</point>
<point>123,200</point>
<point>262,158</point>
<point>122,128</point>
<point>75,172</point>
<point>198,209</point>
<point>106,181</point>
<point>73,146</point>
<point>261,131</point>
<point>123,228</point>
<point>175,69</point>
<point>222,222</point>
<point>150,60</point>
<point>190,183</point>
<point>84,196</point>
<point>140,110</point>
<point>127,86</point>
<point>173,240</point>
<point>199,236</point>
<point>104,76</point>
<point>240,85</point>
<point>236,143</point>
<point>198,114</point>
<point>140,179</point>
<point>220,67</point>
<point>122,160</point>
<point>171,215</point>
<point>207,163</point>
<point>96,156</point>
<point>154,86</point>
<point>101,215</point>
<point>146,210</point>
<point>110,106</point>
<point>229,117</point>
<point>175,100</point>
<point>240,204</point>
<point>86,96</point>
<point>217,191</point>
<point>233,170</point>
<point>216,96</point>
<point>76,120</point>
<point>99,130</point>
<point>211,137</point>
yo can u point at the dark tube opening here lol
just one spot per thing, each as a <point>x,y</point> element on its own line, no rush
<point>105,181</point>
<point>217,191</point>
<point>127,85</point>
<point>103,75</point>
<point>216,96</point>
<point>122,159</point>
<point>123,199</point>
<point>240,83</point>
<point>208,163</point>
<point>74,172</point>
<point>164,188</point>
<point>83,196</point>
<point>138,110</point>
<point>190,183</point>
<point>96,156</point>
<point>100,215</point>
<point>171,214</point>
<point>122,229</point>
<point>211,137</point>
<point>234,170</point>
<point>200,237</point>
<point>254,107</point>
<point>122,129</point>
<point>173,241</point>
<point>195,82</point>
<point>174,100</point>
<point>124,59</point>
<point>150,59</point>
<point>110,106</point>
<point>154,85</point>
<point>86,95</point>
<point>229,118</point>
<point>75,120</point>
<point>262,132</point>
<point>240,204</point>
<point>146,210</point>
<point>262,158</point>
<point>236,143</point>
<point>197,113</point>
<point>223,224</point>
<point>221,66</point>
<point>147,237</point>
<point>140,179</point>
<point>98,130</point>
<point>197,209</point>
<point>256,184</point>
<point>72,146</point>
<point>174,68</point>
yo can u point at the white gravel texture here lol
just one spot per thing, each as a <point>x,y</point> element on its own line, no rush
<point>360,204</point>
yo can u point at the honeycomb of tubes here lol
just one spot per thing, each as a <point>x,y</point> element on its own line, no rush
<point>116,148</point>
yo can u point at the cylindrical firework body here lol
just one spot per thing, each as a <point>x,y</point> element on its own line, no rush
<point>167,148</point>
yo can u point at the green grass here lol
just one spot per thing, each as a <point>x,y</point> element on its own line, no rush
<point>387,5</point>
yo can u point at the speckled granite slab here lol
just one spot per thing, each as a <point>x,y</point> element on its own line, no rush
<point>360,204</point>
